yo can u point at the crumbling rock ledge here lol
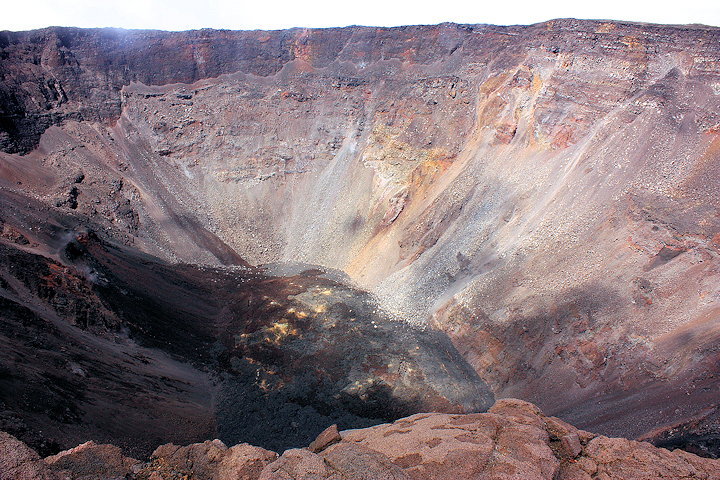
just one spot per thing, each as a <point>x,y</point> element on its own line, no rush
<point>513,440</point>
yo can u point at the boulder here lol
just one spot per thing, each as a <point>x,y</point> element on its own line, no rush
<point>571,445</point>
<point>514,444</point>
<point>297,464</point>
<point>329,436</point>
<point>357,462</point>
<point>92,462</point>
<point>341,461</point>
<point>20,462</point>
<point>618,458</point>
<point>214,460</point>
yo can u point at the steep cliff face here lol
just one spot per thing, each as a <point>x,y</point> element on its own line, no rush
<point>545,195</point>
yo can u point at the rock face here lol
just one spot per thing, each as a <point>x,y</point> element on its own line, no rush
<point>19,462</point>
<point>213,460</point>
<point>91,461</point>
<point>513,440</point>
<point>441,213</point>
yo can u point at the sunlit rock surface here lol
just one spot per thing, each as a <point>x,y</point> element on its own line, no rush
<point>513,440</point>
<point>547,196</point>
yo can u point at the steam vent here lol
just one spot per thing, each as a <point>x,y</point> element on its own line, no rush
<point>447,251</point>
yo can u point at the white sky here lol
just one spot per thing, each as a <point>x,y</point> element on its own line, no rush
<point>279,14</point>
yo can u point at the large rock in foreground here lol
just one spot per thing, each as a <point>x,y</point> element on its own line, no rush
<point>20,462</point>
<point>513,440</point>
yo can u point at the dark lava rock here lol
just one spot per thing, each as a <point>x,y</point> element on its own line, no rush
<point>289,355</point>
<point>310,351</point>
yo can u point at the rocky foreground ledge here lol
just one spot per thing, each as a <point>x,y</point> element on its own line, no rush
<point>513,440</point>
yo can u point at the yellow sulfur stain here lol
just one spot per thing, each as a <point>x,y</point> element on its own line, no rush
<point>298,314</point>
<point>606,28</point>
<point>277,332</point>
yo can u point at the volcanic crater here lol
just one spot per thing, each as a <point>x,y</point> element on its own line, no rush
<point>254,235</point>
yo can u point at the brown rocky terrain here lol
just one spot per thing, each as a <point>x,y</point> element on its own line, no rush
<point>354,225</point>
<point>512,440</point>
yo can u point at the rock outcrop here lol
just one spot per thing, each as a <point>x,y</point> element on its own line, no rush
<point>513,440</point>
<point>19,462</point>
<point>212,460</point>
<point>91,461</point>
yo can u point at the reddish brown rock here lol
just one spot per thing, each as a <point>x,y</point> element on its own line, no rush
<point>513,440</point>
<point>244,461</point>
<point>519,411</point>
<point>296,464</point>
<point>618,458</point>
<point>19,462</point>
<point>557,429</point>
<point>92,462</point>
<point>571,445</point>
<point>354,461</point>
<point>341,461</point>
<point>212,460</point>
<point>329,436</point>
<point>510,444</point>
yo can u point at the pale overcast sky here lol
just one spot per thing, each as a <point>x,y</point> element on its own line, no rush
<point>278,14</point>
